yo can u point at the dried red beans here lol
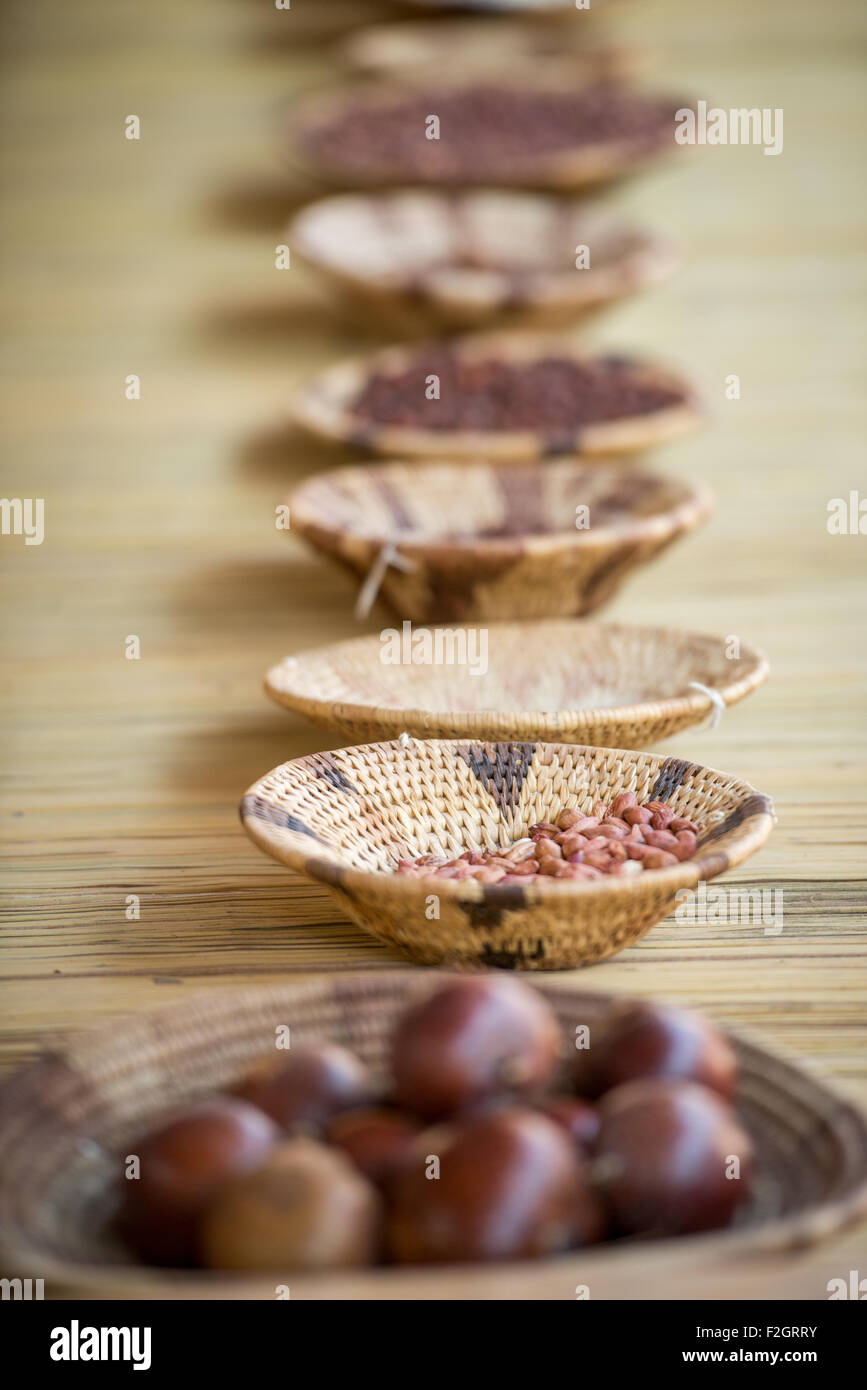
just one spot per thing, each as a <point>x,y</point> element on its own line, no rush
<point>485,131</point>
<point>548,394</point>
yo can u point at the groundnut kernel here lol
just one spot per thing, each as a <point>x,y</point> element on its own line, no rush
<point>622,839</point>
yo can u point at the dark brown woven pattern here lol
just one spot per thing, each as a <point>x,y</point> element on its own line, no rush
<point>608,684</point>
<point>486,541</point>
<point>67,1121</point>
<point>443,797</point>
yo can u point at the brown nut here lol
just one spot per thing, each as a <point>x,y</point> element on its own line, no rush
<point>567,818</point>
<point>637,815</point>
<point>660,839</point>
<point>510,1185</point>
<point>478,1036</point>
<point>597,859</point>
<point>547,849</point>
<point>679,823</point>
<point>616,821</point>
<point>375,1138</point>
<point>686,845</point>
<point>612,832</point>
<point>659,859</point>
<point>572,843</point>
<point>308,1207</point>
<point>644,1039</point>
<point>301,1089</point>
<point>624,802</point>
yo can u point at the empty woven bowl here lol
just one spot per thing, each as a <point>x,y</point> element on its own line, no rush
<point>480,541</point>
<point>346,818</point>
<point>426,262</point>
<point>520,127</point>
<point>475,45</point>
<point>66,1119</point>
<point>610,685</point>
<point>539,395</point>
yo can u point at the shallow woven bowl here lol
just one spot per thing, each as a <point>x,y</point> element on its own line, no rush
<point>489,541</point>
<point>425,262</point>
<point>569,168</point>
<point>610,685</point>
<point>476,45</point>
<point>326,407</point>
<point>346,818</point>
<point>64,1120</point>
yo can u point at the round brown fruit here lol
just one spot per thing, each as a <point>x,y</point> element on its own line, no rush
<point>576,1117</point>
<point>645,1040</point>
<point>663,1156</point>
<point>476,1037</point>
<point>182,1165</point>
<point>304,1089</point>
<point>376,1139</point>
<point>510,1185</point>
<point>308,1207</point>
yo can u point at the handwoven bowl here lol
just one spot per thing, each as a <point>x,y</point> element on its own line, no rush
<point>426,262</point>
<point>573,164</point>
<point>346,818</point>
<point>610,685</point>
<point>489,541</point>
<point>476,45</point>
<point>66,1119</point>
<point>326,406</point>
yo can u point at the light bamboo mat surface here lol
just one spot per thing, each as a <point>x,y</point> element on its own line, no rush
<point>156,258</point>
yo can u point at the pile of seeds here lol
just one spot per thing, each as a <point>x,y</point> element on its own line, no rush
<point>622,838</point>
<point>485,131</point>
<point>491,394</point>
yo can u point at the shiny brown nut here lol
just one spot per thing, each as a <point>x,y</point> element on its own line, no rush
<point>301,1089</point>
<point>476,1037</point>
<point>579,1119</point>
<point>644,1040</point>
<point>375,1138</point>
<point>181,1167</point>
<point>511,1185</point>
<point>308,1207</point>
<point>671,1158</point>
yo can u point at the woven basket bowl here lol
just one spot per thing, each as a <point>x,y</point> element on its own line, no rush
<point>487,541</point>
<point>610,685</point>
<point>468,45</point>
<point>346,818</point>
<point>65,1119</point>
<point>426,262</point>
<point>325,407</point>
<point>572,168</point>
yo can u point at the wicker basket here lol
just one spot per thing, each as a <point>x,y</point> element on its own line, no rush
<point>66,1119</point>
<point>610,685</point>
<point>420,263</point>
<point>483,541</point>
<point>346,818</point>
<point>472,45</point>
<point>325,407</point>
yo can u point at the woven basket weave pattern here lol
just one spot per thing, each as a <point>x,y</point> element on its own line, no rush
<point>345,818</point>
<point>66,1121</point>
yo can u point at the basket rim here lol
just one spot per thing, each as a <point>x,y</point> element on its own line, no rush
<point>278,685</point>
<point>648,260</point>
<point>323,406</point>
<point>693,504</point>
<point>805,1227</point>
<point>323,866</point>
